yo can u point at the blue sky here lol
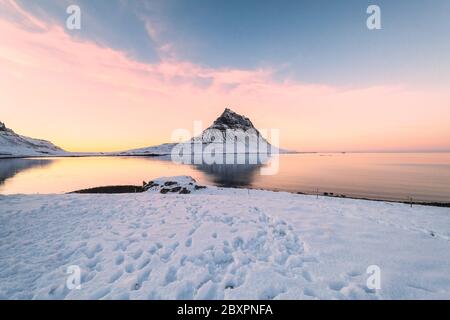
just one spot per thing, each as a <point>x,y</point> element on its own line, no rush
<point>318,41</point>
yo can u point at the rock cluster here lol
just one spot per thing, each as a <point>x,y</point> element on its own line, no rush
<point>231,120</point>
<point>178,184</point>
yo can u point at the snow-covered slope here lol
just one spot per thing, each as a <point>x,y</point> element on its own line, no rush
<point>237,129</point>
<point>163,149</point>
<point>230,133</point>
<point>221,243</point>
<point>14,145</point>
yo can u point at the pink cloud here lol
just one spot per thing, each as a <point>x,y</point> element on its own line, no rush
<point>86,97</point>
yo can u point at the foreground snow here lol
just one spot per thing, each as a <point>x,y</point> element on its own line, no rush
<point>220,243</point>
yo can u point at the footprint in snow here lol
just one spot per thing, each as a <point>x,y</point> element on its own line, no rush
<point>129,268</point>
<point>336,285</point>
<point>143,276</point>
<point>116,275</point>
<point>100,293</point>
<point>136,255</point>
<point>171,276</point>
<point>309,292</point>
<point>307,276</point>
<point>119,259</point>
<point>354,273</point>
<point>142,264</point>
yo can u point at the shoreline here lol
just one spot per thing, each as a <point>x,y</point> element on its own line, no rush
<point>100,155</point>
<point>111,154</point>
<point>132,189</point>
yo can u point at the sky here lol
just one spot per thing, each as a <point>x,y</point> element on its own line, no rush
<point>138,70</point>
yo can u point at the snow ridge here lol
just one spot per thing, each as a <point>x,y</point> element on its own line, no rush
<point>14,145</point>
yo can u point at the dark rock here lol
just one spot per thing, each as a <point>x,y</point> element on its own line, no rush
<point>149,185</point>
<point>199,187</point>
<point>176,189</point>
<point>164,190</point>
<point>184,191</point>
<point>112,189</point>
<point>169,183</point>
<point>231,120</point>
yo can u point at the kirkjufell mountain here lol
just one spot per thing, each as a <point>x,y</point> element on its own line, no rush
<point>229,133</point>
<point>15,145</point>
<point>229,123</point>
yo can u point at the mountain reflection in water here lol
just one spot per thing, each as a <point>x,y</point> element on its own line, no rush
<point>238,170</point>
<point>10,167</point>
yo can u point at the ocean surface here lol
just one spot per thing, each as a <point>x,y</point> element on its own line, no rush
<point>385,176</point>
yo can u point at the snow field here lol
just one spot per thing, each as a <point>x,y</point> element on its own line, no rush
<point>220,244</point>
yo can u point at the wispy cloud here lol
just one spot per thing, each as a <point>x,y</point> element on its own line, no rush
<point>11,11</point>
<point>155,29</point>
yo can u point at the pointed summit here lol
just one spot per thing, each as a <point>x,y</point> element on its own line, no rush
<point>232,120</point>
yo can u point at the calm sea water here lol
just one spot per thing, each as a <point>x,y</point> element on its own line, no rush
<point>422,176</point>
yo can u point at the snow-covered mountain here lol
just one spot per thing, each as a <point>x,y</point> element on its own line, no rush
<point>229,133</point>
<point>238,131</point>
<point>15,145</point>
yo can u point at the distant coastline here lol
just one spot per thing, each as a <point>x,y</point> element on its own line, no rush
<point>119,154</point>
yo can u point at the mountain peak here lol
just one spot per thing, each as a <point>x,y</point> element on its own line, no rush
<point>3,127</point>
<point>232,120</point>
<point>228,110</point>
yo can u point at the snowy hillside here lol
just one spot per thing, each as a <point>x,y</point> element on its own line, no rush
<point>221,243</point>
<point>14,145</point>
<point>232,128</point>
<point>163,149</point>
